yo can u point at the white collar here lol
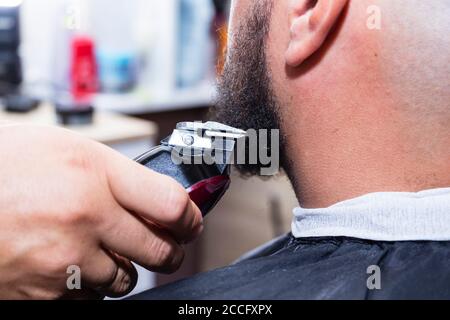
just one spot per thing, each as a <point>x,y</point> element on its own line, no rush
<point>387,216</point>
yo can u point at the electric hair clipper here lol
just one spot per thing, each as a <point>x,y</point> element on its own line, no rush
<point>198,156</point>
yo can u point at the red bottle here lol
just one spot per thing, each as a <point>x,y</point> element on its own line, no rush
<point>83,71</point>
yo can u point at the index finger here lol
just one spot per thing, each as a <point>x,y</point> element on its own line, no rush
<point>155,197</point>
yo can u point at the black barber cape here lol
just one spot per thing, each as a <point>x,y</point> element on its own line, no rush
<point>325,268</point>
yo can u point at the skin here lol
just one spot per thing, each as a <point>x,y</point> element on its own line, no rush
<point>361,110</point>
<point>69,201</point>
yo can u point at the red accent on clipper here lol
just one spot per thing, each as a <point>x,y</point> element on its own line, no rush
<point>207,193</point>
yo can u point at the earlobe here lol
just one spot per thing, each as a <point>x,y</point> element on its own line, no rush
<point>310,24</point>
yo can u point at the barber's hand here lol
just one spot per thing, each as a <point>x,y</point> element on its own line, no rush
<point>65,200</point>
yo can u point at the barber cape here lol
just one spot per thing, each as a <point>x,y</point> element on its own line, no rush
<point>378,246</point>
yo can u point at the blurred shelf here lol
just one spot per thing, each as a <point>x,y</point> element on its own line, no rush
<point>107,128</point>
<point>143,103</point>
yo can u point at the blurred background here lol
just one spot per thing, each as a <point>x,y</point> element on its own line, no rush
<point>124,73</point>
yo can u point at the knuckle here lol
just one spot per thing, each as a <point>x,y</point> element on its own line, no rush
<point>110,275</point>
<point>166,255</point>
<point>80,209</point>
<point>177,261</point>
<point>81,157</point>
<point>79,213</point>
<point>122,284</point>
<point>178,202</point>
<point>196,221</point>
<point>56,262</point>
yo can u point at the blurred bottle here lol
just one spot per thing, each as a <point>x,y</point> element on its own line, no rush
<point>83,70</point>
<point>74,63</point>
<point>117,71</point>
<point>195,54</point>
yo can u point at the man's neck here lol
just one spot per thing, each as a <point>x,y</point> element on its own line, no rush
<point>335,169</point>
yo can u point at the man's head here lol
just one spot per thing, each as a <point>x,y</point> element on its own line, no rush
<point>358,88</point>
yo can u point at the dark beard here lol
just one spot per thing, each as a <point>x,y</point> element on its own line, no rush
<point>245,96</point>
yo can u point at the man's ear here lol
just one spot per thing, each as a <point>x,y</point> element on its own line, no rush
<point>310,24</point>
